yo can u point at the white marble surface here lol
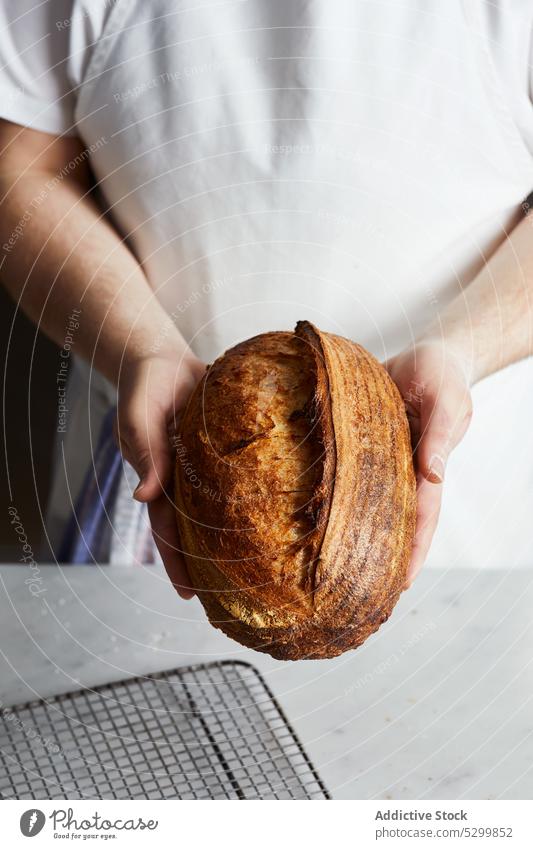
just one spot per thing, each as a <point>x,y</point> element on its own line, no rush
<point>438,704</point>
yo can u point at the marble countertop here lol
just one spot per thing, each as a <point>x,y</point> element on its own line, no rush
<point>436,705</point>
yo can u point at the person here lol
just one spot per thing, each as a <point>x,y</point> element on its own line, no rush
<point>180,177</point>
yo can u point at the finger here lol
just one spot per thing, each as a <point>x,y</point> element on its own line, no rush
<point>165,532</point>
<point>144,442</point>
<point>429,497</point>
<point>444,420</point>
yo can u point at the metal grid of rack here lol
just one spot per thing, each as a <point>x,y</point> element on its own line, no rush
<point>212,731</point>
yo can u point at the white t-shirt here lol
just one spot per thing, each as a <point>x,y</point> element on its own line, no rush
<point>352,162</point>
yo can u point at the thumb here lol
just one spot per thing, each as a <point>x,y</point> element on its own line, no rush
<point>444,420</point>
<point>144,443</point>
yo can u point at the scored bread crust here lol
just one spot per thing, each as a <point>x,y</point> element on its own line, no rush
<point>295,493</point>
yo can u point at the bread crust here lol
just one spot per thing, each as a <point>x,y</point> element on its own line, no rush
<point>295,493</point>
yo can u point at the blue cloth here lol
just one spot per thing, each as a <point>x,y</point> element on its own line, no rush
<point>87,537</point>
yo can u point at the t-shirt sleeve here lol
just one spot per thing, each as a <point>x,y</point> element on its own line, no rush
<point>35,89</point>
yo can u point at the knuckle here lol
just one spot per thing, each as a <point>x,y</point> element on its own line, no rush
<point>143,458</point>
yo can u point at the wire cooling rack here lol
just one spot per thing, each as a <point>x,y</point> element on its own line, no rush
<point>213,731</point>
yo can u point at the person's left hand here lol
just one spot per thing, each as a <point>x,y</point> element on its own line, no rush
<point>434,384</point>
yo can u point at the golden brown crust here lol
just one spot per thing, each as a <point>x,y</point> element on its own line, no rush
<point>295,493</point>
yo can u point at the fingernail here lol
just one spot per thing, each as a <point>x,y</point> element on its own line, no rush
<point>436,469</point>
<point>138,488</point>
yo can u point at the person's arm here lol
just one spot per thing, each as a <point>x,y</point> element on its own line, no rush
<point>487,327</point>
<point>58,253</point>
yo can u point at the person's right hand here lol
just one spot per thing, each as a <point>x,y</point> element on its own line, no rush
<point>151,393</point>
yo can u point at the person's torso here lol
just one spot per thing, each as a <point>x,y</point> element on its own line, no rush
<point>351,163</point>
